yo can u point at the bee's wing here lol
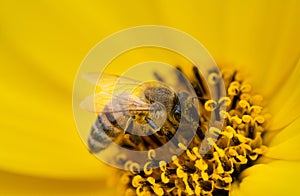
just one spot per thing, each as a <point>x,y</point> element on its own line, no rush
<point>112,83</point>
<point>104,102</point>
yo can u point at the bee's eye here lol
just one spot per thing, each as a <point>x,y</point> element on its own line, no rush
<point>177,112</point>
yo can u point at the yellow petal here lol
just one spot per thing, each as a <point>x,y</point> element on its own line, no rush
<point>284,145</point>
<point>43,43</point>
<point>261,39</point>
<point>275,178</point>
<point>14,184</point>
<point>285,104</point>
<point>38,133</point>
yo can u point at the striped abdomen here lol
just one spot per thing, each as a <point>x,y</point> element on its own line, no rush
<point>104,130</point>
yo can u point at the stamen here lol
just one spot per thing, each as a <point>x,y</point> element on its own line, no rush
<point>234,147</point>
<point>147,169</point>
<point>151,154</point>
<point>210,105</point>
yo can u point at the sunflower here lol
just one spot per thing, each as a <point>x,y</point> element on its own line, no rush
<point>43,43</point>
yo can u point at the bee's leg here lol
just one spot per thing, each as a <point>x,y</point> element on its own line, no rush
<point>129,126</point>
<point>152,124</point>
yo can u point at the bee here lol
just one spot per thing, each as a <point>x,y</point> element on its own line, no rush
<point>145,111</point>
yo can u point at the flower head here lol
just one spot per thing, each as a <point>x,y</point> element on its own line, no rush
<point>43,43</point>
<point>238,145</point>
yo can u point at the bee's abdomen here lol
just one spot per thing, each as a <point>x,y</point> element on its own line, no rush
<point>103,132</point>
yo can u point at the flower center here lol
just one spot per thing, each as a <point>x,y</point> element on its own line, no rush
<point>238,145</point>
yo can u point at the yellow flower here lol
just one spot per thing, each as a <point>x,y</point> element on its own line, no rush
<point>43,43</point>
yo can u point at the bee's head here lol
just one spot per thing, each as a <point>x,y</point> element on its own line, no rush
<point>185,108</point>
<point>159,93</point>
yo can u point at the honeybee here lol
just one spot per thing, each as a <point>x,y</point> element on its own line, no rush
<point>126,106</point>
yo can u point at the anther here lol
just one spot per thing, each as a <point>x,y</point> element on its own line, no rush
<point>210,105</point>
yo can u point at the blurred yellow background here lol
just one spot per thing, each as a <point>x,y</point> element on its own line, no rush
<point>42,44</point>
